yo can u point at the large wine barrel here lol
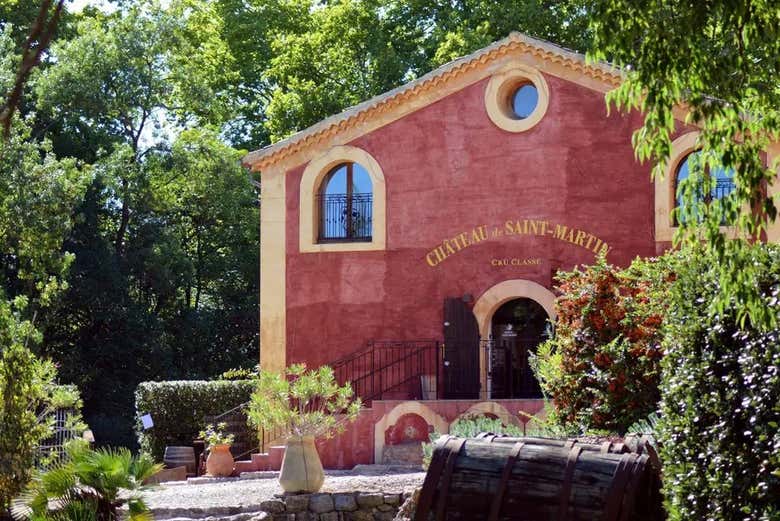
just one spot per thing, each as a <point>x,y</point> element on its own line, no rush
<point>636,444</point>
<point>180,457</point>
<point>474,480</point>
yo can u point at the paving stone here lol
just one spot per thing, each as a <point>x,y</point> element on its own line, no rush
<point>297,503</point>
<point>370,500</point>
<point>345,502</point>
<point>392,499</point>
<point>274,506</point>
<point>358,515</point>
<point>321,503</point>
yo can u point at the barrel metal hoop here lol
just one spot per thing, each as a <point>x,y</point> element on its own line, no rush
<point>605,447</point>
<point>569,444</point>
<point>498,499</point>
<point>616,490</point>
<point>566,486</point>
<point>455,445</point>
<point>431,480</point>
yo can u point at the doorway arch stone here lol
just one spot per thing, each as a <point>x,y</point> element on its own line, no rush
<point>492,299</point>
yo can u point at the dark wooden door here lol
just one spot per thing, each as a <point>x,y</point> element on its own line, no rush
<point>461,350</point>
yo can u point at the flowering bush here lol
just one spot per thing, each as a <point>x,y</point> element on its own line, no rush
<point>602,368</point>
<point>216,435</point>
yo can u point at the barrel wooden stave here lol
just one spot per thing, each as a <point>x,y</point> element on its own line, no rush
<point>180,456</point>
<point>533,491</point>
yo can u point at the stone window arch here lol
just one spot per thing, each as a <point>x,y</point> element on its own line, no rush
<point>358,224</point>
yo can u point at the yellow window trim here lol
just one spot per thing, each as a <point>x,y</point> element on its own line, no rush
<point>498,97</point>
<point>312,177</point>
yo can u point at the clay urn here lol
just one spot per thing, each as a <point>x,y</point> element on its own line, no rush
<point>301,466</point>
<point>220,461</point>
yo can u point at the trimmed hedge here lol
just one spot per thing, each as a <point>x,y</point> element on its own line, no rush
<point>720,399</point>
<point>178,408</point>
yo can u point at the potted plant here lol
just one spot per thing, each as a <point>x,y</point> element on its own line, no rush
<point>220,460</point>
<point>302,405</point>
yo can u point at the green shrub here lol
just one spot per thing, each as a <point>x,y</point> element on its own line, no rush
<point>89,485</point>
<point>470,427</point>
<point>29,395</point>
<point>602,368</point>
<point>720,407</point>
<point>178,409</point>
<point>302,402</point>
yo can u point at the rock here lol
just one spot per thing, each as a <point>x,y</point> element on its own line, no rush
<point>273,506</point>
<point>385,508</point>
<point>383,516</point>
<point>345,502</point>
<point>367,500</point>
<point>359,515</point>
<point>321,503</point>
<point>329,516</point>
<point>297,503</point>
<point>392,499</point>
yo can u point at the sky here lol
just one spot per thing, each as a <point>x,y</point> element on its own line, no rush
<point>77,5</point>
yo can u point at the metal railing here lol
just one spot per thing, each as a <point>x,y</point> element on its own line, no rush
<point>386,369</point>
<point>345,217</point>
<point>52,449</point>
<point>392,369</point>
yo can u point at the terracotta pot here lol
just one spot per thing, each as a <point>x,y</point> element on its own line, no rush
<point>220,461</point>
<point>301,466</point>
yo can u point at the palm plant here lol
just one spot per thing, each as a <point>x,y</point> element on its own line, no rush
<point>90,485</point>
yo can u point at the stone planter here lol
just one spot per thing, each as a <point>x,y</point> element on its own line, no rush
<point>220,461</point>
<point>301,467</point>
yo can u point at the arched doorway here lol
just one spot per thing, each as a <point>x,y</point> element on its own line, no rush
<point>517,327</point>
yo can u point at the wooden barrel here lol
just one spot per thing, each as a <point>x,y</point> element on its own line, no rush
<point>474,480</point>
<point>635,444</point>
<point>180,457</point>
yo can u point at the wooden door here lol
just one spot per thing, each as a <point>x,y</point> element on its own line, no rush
<point>461,350</point>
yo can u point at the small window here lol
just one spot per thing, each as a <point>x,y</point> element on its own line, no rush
<point>524,101</point>
<point>722,185</point>
<point>345,202</point>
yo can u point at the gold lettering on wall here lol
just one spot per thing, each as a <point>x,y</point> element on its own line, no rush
<point>517,227</point>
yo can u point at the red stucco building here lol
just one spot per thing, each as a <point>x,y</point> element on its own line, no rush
<point>411,241</point>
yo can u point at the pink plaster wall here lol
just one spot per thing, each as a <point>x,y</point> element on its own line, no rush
<point>447,169</point>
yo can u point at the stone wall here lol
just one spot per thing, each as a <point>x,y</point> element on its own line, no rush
<point>343,506</point>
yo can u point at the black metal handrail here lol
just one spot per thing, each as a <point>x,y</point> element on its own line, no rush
<point>345,217</point>
<point>380,368</point>
<point>385,366</point>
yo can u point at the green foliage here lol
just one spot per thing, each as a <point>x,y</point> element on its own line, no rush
<point>178,409</point>
<point>470,427</point>
<point>90,485</point>
<point>29,396</point>
<point>216,435</point>
<point>302,402</point>
<point>718,432</point>
<point>733,99</point>
<point>602,368</point>
<point>344,52</point>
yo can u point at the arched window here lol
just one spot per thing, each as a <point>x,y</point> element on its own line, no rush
<point>345,202</point>
<point>722,184</point>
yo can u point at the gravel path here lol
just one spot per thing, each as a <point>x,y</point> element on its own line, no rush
<point>246,494</point>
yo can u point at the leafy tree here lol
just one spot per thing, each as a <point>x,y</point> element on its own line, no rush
<point>167,241</point>
<point>718,62</point>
